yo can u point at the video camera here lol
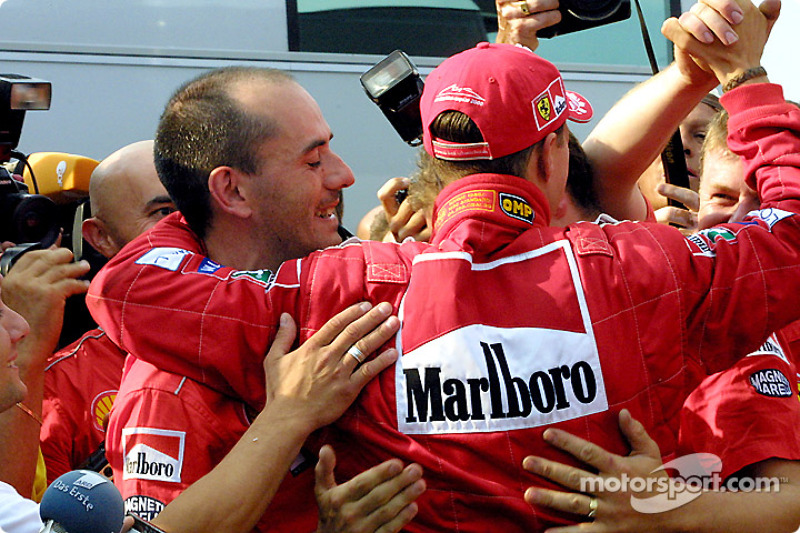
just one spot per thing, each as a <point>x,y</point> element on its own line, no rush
<point>577,15</point>
<point>35,220</point>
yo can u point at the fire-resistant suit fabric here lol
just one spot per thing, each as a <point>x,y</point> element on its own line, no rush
<point>509,326</point>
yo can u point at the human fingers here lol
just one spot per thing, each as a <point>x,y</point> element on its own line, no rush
<point>567,476</point>
<point>398,223</point>
<point>567,502</point>
<point>393,492</point>
<point>771,9</point>
<point>511,9</point>
<point>284,338</point>
<point>127,524</point>
<point>334,326</point>
<point>638,438</point>
<point>387,192</point>
<point>366,372</point>
<point>519,22</point>
<point>678,217</point>
<point>583,450</point>
<point>705,22</point>
<point>413,228</point>
<point>687,197</point>
<point>400,520</point>
<point>69,286</point>
<point>729,9</point>
<point>365,335</point>
<point>684,41</point>
<point>727,62</point>
<point>324,480</point>
<point>368,487</point>
<point>402,507</point>
<point>67,274</point>
<point>37,262</point>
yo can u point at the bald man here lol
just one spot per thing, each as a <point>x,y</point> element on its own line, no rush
<point>127,198</point>
<point>82,379</point>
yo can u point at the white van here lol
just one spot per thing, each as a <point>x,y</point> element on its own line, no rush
<point>114,63</point>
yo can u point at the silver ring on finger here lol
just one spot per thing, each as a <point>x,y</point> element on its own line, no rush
<point>592,508</point>
<point>357,354</point>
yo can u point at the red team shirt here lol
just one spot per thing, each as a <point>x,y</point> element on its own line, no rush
<point>80,385</point>
<point>509,326</point>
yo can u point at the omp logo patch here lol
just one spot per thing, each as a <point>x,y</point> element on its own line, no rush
<point>144,506</point>
<point>454,93</point>
<point>262,277</point>
<point>166,258</point>
<point>101,407</point>
<point>516,207</point>
<point>771,382</point>
<point>154,454</point>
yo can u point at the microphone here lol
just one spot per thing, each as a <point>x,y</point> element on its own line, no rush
<point>62,177</point>
<point>81,501</point>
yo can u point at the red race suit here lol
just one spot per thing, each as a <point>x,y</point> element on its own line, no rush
<point>167,431</point>
<point>80,384</point>
<point>746,414</point>
<point>508,326</point>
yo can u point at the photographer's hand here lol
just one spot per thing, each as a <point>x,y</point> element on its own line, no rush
<point>402,219</point>
<point>518,21</point>
<point>684,219</point>
<point>37,288</point>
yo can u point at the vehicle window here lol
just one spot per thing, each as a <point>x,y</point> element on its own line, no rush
<point>440,28</point>
<point>437,28</point>
<point>165,25</point>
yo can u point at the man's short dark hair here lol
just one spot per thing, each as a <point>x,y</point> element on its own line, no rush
<point>457,127</point>
<point>203,127</point>
<point>434,174</point>
<point>580,181</point>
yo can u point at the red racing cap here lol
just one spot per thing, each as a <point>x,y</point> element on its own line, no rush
<point>514,97</point>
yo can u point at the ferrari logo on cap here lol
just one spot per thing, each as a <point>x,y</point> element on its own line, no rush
<point>544,108</point>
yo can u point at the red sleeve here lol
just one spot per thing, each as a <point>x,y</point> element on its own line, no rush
<point>161,299</point>
<point>56,437</point>
<point>165,433</point>
<point>80,385</point>
<point>744,415</point>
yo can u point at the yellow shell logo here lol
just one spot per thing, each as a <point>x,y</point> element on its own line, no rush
<point>544,108</point>
<point>101,407</point>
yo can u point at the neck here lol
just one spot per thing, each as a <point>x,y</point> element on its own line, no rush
<point>236,248</point>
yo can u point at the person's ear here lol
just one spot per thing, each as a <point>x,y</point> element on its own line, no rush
<point>97,235</point>
<point>548,153</point>
<point>225,186</point>
<point>540,167</point>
